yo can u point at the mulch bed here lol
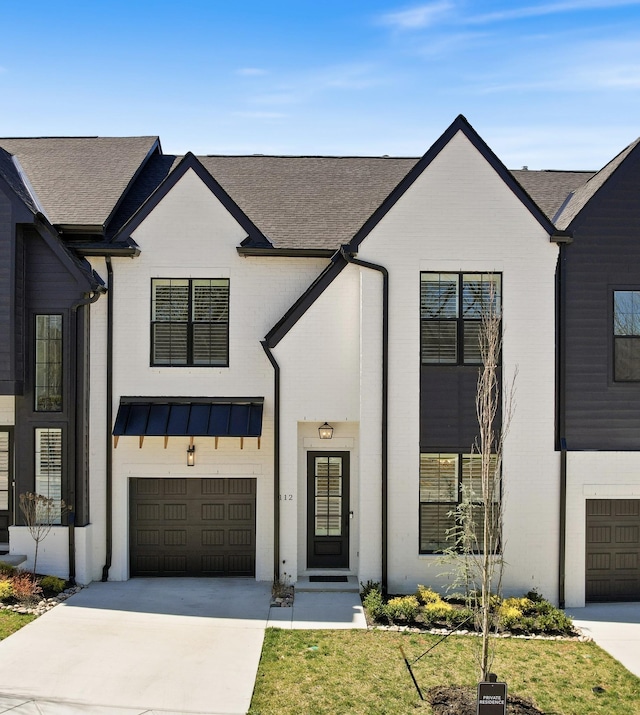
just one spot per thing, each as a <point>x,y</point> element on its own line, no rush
<point>461,700</point>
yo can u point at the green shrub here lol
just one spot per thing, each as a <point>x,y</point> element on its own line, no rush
<point>427,595</point>
<point>458,616</point>
<point>437,612</point>
<point>7,569</point>
<point>402,608</point>
<point>368,587</point>
<point>52,584</point>
<point>6,589</point>
<point>554,622</point>
<point>374,605</point>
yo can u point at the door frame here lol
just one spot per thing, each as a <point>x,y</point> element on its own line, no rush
<point>329,560</point>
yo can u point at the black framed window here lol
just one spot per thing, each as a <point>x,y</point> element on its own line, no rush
<point>48,363</point>
<point>446,480</point>
<point>190,321</point>
<point>451,310</point>
<point>48,467</point>
<point>626,335</point>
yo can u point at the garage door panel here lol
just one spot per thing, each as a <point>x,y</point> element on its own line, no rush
<point>172,530</point>
<point>613,550</point>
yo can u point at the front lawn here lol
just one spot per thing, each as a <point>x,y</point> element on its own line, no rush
<point>11,622</point>
<point>362,672</point>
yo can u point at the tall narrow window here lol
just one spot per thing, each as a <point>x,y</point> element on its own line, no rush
<point>49,465</point>
<point>626,335</point>
<point>451,310</point>
<point>48,363</point>
<point>190,322</point>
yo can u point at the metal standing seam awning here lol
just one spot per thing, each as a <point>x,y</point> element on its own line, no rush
<point>189,417</point>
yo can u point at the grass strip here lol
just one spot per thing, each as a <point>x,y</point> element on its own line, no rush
<point>361,672</point>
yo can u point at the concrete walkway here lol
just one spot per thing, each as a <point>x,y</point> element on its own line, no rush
<point>615,627</point>
<point>154,646</point>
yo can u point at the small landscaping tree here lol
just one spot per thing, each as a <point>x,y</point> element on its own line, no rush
<point>40,514</point>
<point>476,550</point>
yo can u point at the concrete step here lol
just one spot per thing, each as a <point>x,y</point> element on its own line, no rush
<point>349,586</point>
<point>13,559</point>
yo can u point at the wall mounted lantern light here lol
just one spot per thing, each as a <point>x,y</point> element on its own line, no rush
<point>191,455</point>
<point>325,431</point>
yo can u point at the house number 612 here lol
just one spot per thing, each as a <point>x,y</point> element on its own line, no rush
<point>286,497</point>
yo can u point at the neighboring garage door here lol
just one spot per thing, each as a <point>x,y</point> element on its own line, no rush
<point>192,527</point>
<point>613,550</point>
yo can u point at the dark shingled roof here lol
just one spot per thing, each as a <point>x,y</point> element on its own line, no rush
<point>307,201</point>
<point>10,173</point>
<point>79,180</point>
<point>320,202</point>
<point>549,189</point>
<point>582,195</point>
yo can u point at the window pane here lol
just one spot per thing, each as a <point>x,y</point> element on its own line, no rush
<point>626,313</point>
<point>472,477</point>
<point>170,300</point>
<point>472,353</point>
<point>480,291</point>
<point>49,466</point>
<point>48,363</point>
<point>210,344</point>
<point>439,342</point>
<point>170,344</point>
<point>438,477</point>
<point>438,295</point>
<point>210,300</point>
<point>627,359</point>
<point>4,470</point>
<point>436,521</point>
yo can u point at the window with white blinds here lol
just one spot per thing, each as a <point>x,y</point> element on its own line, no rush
<point>445,481</point>
<point>451,310</point>
<point>190,322</point>
<point>5,468</point>
<point>49,466</point>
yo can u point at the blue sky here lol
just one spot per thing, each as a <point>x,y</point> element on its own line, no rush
<point>552,84</point>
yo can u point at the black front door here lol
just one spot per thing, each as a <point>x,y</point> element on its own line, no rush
<point>328,510</point>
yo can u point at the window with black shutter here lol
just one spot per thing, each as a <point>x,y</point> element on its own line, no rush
<point>190,322</point>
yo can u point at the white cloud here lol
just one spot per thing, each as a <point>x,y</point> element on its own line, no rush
<point>548,9</point>
<point>417,17</point>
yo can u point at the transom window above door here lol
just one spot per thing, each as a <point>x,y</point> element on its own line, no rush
<point>451,309</point>
<point>190,322</point>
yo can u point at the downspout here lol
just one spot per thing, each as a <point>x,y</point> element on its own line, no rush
<point>109,454</point>
<point>71,514</point>
<point>276,460</point>
<point>562,442</point>
<point>344,250</point>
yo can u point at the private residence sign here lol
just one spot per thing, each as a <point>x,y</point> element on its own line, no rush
<point>492,699</point>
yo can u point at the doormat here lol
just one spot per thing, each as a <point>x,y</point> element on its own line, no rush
<point>328,579</point>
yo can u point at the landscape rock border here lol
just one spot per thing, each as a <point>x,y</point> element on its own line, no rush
<point>43,605</point>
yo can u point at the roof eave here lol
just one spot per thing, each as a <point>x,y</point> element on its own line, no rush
<point>287,252</point>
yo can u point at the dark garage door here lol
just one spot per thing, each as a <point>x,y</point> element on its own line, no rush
<point>192,527</point>
<point>613,550</point>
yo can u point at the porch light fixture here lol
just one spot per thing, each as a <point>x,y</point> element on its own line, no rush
<point>191,455</point>
<point>325,431</point>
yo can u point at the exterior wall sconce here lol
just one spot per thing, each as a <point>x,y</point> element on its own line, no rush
<point>326,431</point>
<point>191,455</point>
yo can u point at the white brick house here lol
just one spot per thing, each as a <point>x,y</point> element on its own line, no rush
<point>251,300</point>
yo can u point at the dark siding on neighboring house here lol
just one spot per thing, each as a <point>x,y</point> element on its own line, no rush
<point>51,289</point>
<point>604,256</point>
<point>7,287</point>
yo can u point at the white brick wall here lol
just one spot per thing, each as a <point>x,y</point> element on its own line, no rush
<point>7,410</point>
<point>188,235</point>
<point>460,216</point>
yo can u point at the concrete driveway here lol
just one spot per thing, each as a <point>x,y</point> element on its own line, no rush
<point>147,645</point>
<point>615,627</point>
